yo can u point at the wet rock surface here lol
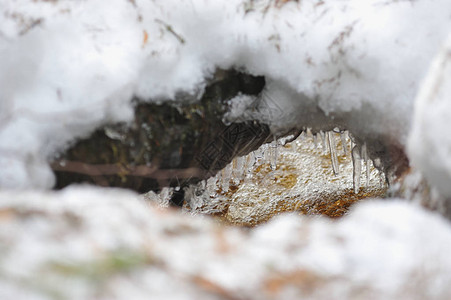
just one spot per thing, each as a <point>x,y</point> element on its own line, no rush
<point>299,176</point>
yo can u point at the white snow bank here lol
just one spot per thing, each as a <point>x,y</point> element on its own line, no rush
<point>429,145</point>
<point>87,243</point>
<point>69,66</point>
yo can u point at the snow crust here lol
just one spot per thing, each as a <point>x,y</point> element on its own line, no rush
<point>68,67</point>
<point>92,243</point>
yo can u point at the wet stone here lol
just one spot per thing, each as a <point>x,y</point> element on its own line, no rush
<point>302,182</point>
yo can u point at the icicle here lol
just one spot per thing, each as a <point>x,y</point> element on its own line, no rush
<point>212,186</point>
<point>294,144</point>
<point>357,166</point>
<point>248,166</point>
<point>226,174</point>
<point>344,145</point>
<point>241,161</point>
<point>367,163</point>
<point>250,161</point>
<point>203,185</point>
<point>235,175</point>
<point>323,138</point>
<point>315,140</point>
<point>378,165</point>
<point>266,153</point>
<point>259,155</point>
<point>302,136</point>
<point>238,169</point>
<point>333,152</point>
<point>274,152</point>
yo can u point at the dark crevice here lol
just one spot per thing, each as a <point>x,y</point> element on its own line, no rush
<point>177,143</point>
<point>177,198</point>
<point>173,143</point>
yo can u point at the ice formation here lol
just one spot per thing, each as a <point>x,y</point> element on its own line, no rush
<point>333,152</point>
<point>303,181</point>
<point>357,168</point>
<point>70,66</point>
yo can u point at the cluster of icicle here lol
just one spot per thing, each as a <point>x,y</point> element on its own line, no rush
<point>358,154</point>
<point>242,167</point>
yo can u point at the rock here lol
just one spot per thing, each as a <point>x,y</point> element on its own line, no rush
<point>183,141</point>
<point>169,144</point>
<point>294,177</point>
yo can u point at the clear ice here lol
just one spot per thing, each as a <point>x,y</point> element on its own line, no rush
<point>367,163</point>
<point>357,168</point>
<point>315,140</point>
<point>333,152</point>
<point>323,139</point>
<point>343,136</point>
<point>251,188</point>
<point>226,175</point>
<point>273,154</point>
<point>238,170</point>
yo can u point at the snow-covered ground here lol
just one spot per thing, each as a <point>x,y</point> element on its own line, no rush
<point>91,243</point>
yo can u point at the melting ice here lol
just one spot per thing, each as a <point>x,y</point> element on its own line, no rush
<point>297,176</point>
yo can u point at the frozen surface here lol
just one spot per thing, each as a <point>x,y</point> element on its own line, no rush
<point>87,243</point>
<point>298,176</point>
<point>70,66</point>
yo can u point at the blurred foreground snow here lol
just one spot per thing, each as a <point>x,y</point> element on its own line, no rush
<point>89,243</point>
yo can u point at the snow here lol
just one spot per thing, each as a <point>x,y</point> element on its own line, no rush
<point>92,243</point>
<point>70,66</point>
<point>429,142</point>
